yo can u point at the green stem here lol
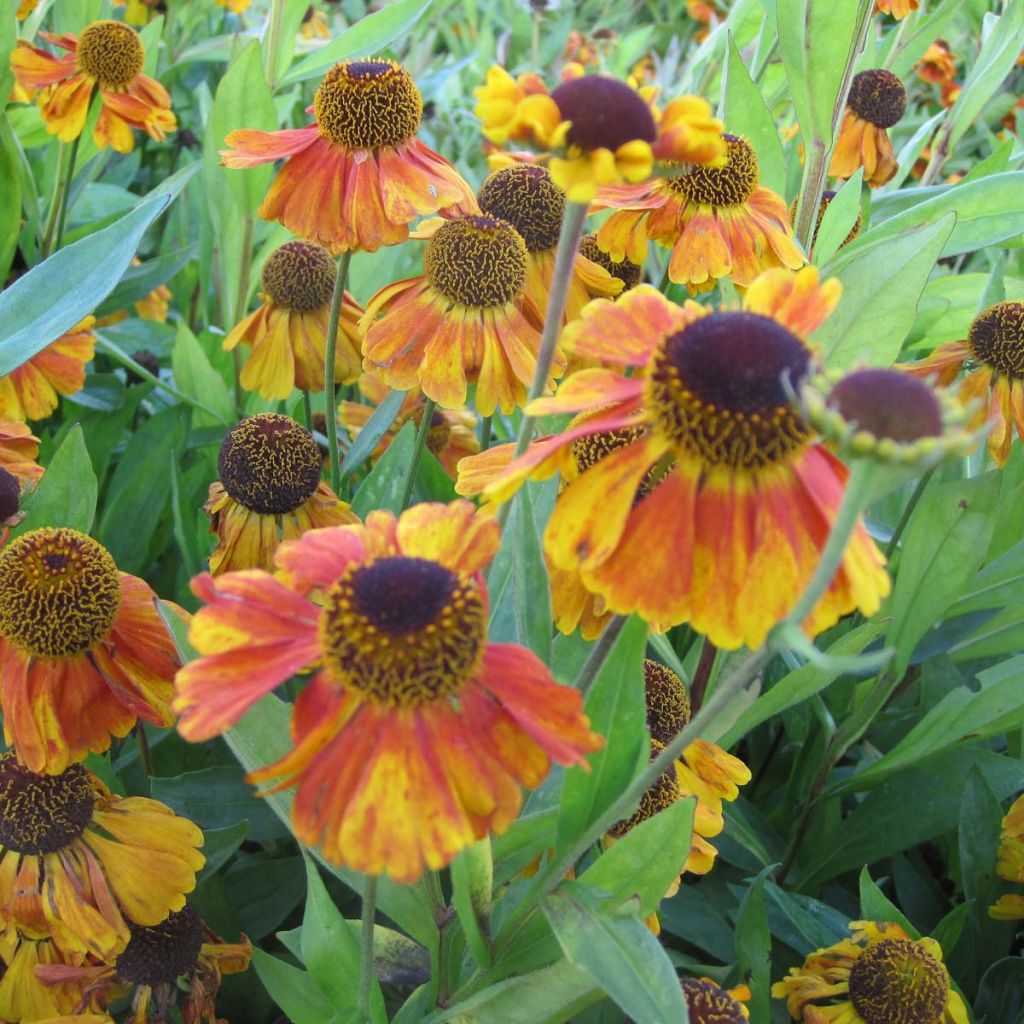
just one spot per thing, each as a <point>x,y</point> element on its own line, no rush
<point>366,946</point>
<point>241,297</point>
<point>340,280</point>
<point>901,525</point>
<point>144,754</point>
<point>272,41</point>
<point>599,652</point>
<point>702,675</point>
<point>818,153</point>
<point>573,219</point>
<point>417,453</point>
<point>58,201</point>
<point>486,425</point>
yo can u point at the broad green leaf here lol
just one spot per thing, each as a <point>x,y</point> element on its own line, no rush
<point>962,714</point>
<point>912,807</point>
<point>876,906</point>
<point>1001,635</point>
<point>8,40</point>
<point>616,709</point>
<point>218,846</point>
<point>292,989</point>
<point>331,951</point>
<point>472,884</point>
<point>367,36</point>
<point>801,684</point>
<point>747,114</point>
<point>375,428</point>
<point>948,931</point>
<point>1001,992</point>
<point>646,860</point>
<point>141,488</point>
<point>985,75</point>
<point>243,100</point>
<point>66,495</point>
<point>803,923</point>
<point>619,953</point>
<point>10,189</point>
<point>55,295</point>
<point>945,540</point>
<point>987,211</point>
<point>294,12</point>
<point>754,946</point>
<point>881,285</point>
<point>385,483</point>
<point>196,377</point>
<point>838,220</point>
<point>549,996</point>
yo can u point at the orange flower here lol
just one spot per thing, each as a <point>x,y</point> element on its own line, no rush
<point>877,100</point>
<point>152,967</point>
<point>415,730</point>
<point>269,490</point>
<point>596,130</point>
<point>108,56</point>
<point>717,222</point>
<point>30,391</point>
<point>994,347</point>
<point>528,199</point>
<point>467,319</point>
<point>450,437</point>
<point>19,449</point>
<point>288,332</point>
<point>82,865</point>
<point>357,176</point>
<point>899,9</point>
<point>23,997</point>
<point>83,651</point>
<point>741,500</point>
<point>25,8</point>
<point>938,64</point>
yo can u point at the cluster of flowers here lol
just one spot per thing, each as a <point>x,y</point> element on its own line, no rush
<point>415,733</point>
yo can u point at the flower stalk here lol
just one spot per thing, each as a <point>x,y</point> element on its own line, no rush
<point>330,395</point>
<point>417,452</point>
<point>366,946</point>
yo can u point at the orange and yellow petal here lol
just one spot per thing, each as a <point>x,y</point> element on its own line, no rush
<point>22,995</point>
<point>861,144</point>
<point>689,134</point>
<point>456,535</point>
<point>19,450</point>
<point>800,301</point>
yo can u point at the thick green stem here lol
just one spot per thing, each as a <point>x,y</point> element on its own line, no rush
<point>58,201</point>
<point>818,153</point>
<point>599,652</point>
<point>272,41</point>
<point>366,946</point>
<point>330,401</point>
<point>901,525</point>
<point>417,452</point>
<point>486,425</point>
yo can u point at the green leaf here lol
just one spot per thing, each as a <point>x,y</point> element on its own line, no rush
<point>881,285</point>
<point>813,924</point>
<point>66,495</point>
<point>196,377</point>
<point>55,295</point>
<point>368,35</point>
<point>10,189</point>
<point>754,946</point>
<point>139,281</point>
<point>330,950</point>
<point>948,931</point>
<point>141,488</point>
<point>646,860</point>
<point>1001,992</point>
<point>549,996</point>
<point>946,538</point>
<point>376,427</point>
<point>985,74</point>
<point>218,846</point>
<point>839,218</point>
<point>8,40</point>
<point>987,212</point>
<point>747,114</point>
<point>801,684</point>
<point>292,989</point>
<point>876,906</point>
<point>618,952</point>
<point>385,483</point>
<point>472,884</point>
<point>617,711</point>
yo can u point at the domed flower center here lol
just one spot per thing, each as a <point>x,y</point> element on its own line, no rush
<point>42,813</point>
<point>403,632</point>
<point>604,113</point>
<point>877,97</point>
<point>111,52</point>
<point>709,1004</point>
<point>589,450</point>
<point>719,390</point>
<point>628,272</point>
<point>10,495</point>
<point>997,338</point>
<point>365,104</point>
<point>668,704</point>
<point>897,981</point>
<point>731,185</point>
<point>476,261</point>
<point>59,592</point>
<point>439,433</point>
<point>270,464</point>
<point>162,954</point>
<point>888,404</point>
<point>663,793</point>
<point>299,276</point>
<point>529,200</point>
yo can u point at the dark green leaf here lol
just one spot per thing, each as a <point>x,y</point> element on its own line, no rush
<point>754,946</point>
<point>375,428</point>
<point>66,495</point>
<point>292,989</point>
<point>218,846</point>
<point>385,484</point>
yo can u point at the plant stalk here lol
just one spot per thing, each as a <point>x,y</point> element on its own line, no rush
<point>417,453</point>
<point>272,41</point>
<point>330,400</point>
<point>599,652</point>
<point>366,946</point>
